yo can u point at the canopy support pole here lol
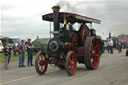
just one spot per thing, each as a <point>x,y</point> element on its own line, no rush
<point>50,30</point>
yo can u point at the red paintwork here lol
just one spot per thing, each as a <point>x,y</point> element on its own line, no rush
<point>84,33</point>
<point>50,15</point>
<point>95,53</point>
<point>123,38</point>
<point>79,51</point>
<point>68,46</point>
<point>74,38</point>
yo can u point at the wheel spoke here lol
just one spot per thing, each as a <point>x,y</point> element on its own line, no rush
<point>38,62</point>
<point>94,62</point>
<point>42,67</point>
<point>72,66</point>
<point>94,54</point>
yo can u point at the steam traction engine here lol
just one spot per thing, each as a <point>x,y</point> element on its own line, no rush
<point>68,46</point>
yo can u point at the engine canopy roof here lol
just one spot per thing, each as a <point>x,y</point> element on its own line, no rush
<point>70,17</point>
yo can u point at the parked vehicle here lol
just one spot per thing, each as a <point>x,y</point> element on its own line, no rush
<point>11,41</point>
<point>40,44</point>
<point>1,46</point>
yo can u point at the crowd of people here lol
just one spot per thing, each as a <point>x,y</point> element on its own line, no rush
<point>20,48</point>
<point>110,44</point>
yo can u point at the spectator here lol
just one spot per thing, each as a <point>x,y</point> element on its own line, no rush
<point>6,55</point>
<point>103,43</point>
<point>9,56</point>
<point>21,50</point>
<point>111,46</point>
<point>105,46</point>
<point>30,52</point>
<point>119,47</point>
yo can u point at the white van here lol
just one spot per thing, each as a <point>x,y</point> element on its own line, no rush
<point>1,46</point>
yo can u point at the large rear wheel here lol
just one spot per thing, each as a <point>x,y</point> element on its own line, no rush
<point>92,53</point>
<point>71,63</point>
<point>41,63</point>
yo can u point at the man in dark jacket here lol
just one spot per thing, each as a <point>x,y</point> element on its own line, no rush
<point>30,52</point>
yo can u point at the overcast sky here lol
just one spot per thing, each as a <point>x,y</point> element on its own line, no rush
<point>22,18</point>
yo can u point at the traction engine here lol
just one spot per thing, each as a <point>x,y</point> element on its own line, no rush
<point>69,46</point>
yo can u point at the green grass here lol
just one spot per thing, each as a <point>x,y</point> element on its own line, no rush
<point>13,58</point>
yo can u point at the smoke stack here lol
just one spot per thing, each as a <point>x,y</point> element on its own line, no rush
<point>110,35</point>
<point>56,17</point>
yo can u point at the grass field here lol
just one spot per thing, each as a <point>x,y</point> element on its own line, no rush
<point>13,58</point>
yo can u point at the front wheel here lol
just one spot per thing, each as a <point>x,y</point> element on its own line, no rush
<point>71,63</point>
<point>41,63</point>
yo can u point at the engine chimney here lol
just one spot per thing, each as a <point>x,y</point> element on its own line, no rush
<point>56,17</point>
